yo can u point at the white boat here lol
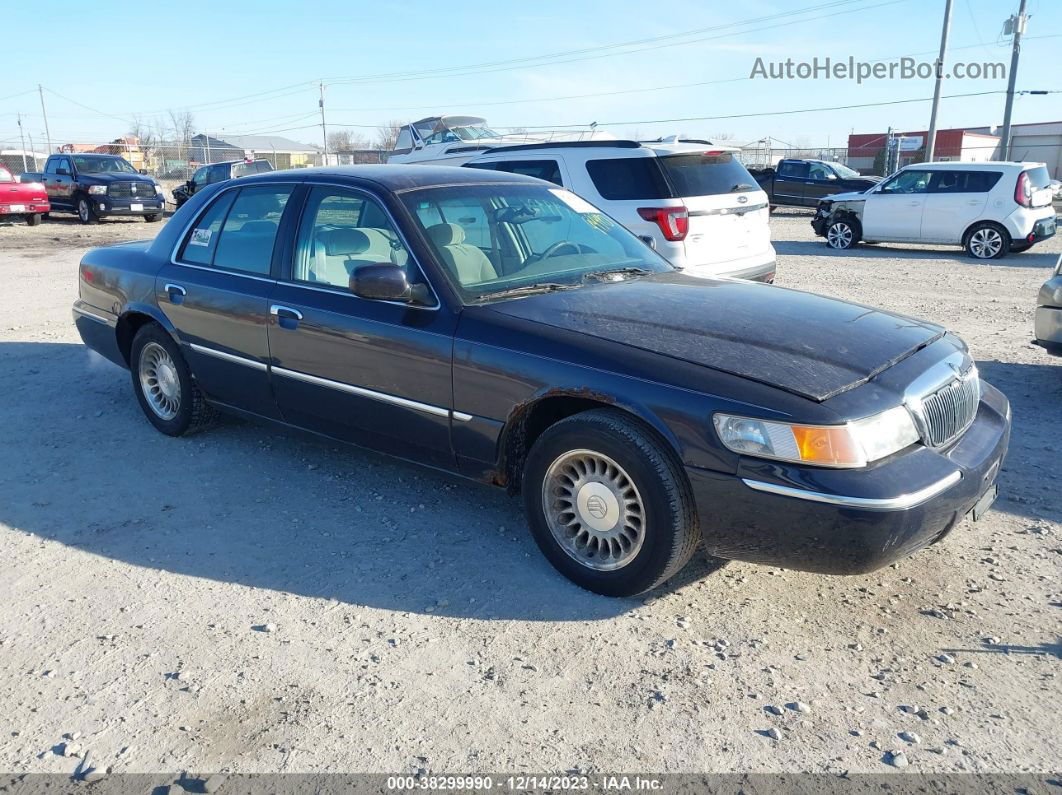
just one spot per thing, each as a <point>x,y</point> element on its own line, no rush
<point>452,140</point>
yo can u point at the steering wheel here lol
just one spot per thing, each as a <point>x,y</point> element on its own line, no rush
<point>554,250</point>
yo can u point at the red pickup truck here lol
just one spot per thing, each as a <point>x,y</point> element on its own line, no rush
<point>26,199</point>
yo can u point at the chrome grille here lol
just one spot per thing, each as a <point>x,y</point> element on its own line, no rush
<point>123,190</point>
<point>948,412</point>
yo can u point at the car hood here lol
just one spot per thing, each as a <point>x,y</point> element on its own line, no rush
<point>847,196</point>
<point>807,344</point>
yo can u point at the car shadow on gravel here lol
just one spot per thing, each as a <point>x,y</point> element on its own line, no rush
<point>266,508</point>
<point>818,248</point>
<point>1028,484</point>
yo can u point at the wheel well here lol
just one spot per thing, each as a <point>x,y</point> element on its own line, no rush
<point>128,325</point>
<point>975,224</point>
<point>528,423</point>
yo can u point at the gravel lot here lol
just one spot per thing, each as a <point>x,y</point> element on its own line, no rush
<point>249,600</point>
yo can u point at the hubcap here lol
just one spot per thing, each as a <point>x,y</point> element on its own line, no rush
<point>594,510</point>
<point>986,243</point>
<point>83,210</point>
<point>159,381</point>
<point>839,235</point>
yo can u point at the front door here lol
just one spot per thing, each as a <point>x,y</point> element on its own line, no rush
<point>59,186</point>
<point>893,211</point>
<point>376,373</point>
<point>216,293</point>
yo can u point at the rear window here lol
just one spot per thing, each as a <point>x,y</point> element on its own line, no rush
<point>706,174</point>
<point>627,178</point>
<point>1039,178</point>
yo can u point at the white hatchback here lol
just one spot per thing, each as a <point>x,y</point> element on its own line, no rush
<point>989,209</point>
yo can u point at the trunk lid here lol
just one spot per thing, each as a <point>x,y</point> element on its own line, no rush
<point>806,344</point>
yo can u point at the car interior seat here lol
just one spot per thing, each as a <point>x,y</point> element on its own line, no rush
<point>468,263</point>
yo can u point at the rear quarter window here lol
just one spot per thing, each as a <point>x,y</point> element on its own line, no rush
<point>628,178</point>
<point>964,181</point>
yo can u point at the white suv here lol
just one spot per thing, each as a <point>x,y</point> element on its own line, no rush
<point>987,208</point>
<point>693,201</point>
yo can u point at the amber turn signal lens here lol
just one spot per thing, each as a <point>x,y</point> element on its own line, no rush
<point>824,445</point>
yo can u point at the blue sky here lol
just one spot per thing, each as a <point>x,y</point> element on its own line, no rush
<point>217,59</point>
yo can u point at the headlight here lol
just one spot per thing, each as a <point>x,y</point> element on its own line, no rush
<point>854,444</point>
<point>96,190</point>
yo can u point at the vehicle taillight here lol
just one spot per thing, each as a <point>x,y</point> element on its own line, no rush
<point>1023,190</point>
<point>674,222</point>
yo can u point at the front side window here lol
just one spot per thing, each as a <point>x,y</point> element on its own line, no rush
<point>200,176</point>
<point>819,171</point>
<point>340,232</point>
<point>628,178</point>
<point>534,235</point>
<point>912,181</point>
<point>237,232</point>
<point>52,165</point>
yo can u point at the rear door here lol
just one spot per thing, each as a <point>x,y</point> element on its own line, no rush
<point>956,199</point>
<point>216,291</point>
<point>893,211</point>
<point>728,212</point>
<point>789,182</point>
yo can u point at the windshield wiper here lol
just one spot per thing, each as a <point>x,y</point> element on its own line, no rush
<point>525,289</point>
<point>606,275</point>
<point>742,186</point>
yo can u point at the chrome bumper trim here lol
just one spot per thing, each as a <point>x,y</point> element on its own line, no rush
<point>899,503</point>
<point>93,316</point>
<point>229,357</point>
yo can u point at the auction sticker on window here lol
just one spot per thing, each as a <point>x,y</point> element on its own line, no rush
<point>200,237</point>
<point>578,204</point>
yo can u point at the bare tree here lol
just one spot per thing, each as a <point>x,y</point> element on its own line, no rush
<point>182,123</point>
<point>347,141</point>
<point>719,137</point>
<point>387,134</point>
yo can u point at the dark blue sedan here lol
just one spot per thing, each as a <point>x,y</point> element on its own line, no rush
<point>501,328</point>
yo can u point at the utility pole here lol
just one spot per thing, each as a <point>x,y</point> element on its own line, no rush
<point>931,144</point>
<point>324,130</point>
<point>23,139</point>
<point>1017,26</point>
<point>47,133</point>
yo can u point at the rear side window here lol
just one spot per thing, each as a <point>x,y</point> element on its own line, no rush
<point>238,230</point>
<point>792,168</point>
<point>548,170</point>
<point>628,178</point>
<point>963,181</point>
<point>706,174</point>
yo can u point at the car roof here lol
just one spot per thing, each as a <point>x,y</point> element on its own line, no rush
<point>959,165</point>
<point>394,176</point>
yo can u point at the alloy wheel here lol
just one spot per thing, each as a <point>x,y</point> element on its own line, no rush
<point>593,510</point>
<point>986,243</point>
<point>83,211</point>
<point>159,381</point>
<point>839,235</point>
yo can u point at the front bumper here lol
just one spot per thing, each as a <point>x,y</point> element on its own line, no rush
<point>1049,329</point>
<point>105,205</point>
<point>851,521</point>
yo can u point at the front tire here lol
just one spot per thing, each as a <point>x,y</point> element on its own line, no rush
<point>85,213</point>
<point>987,241</point>
<point>608,504</point>
<point>164,386</point>
<point>843,233</point>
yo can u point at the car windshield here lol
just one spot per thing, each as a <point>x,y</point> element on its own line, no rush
<point>844,172</point>
<point>498,240</point>
<point>102,165</point>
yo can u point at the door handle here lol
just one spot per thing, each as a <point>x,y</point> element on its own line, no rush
<point>176,293</point>
<point>287,317</point>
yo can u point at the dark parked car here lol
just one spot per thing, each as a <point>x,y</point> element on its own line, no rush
<point>640,411</point>
<point>802,183</point>
<point>95,186</point>
<point>218,172</point>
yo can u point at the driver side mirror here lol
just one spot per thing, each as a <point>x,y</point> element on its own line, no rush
<point>831,175</point>
<point>380,282</point>
<point>62,172</point>
<point>142,170</point>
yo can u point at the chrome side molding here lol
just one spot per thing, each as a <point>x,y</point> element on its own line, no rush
<point>900,502</point>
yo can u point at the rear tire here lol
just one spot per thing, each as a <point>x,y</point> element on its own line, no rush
<point>85,212</point>
<point>608,504</point>
<point>164,386</point>
<point>152,217</point>
<point>843,233</point>
<point>33,220</point>
<point>986,241</point>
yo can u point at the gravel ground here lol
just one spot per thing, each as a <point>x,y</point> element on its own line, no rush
<point>249,600</point>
